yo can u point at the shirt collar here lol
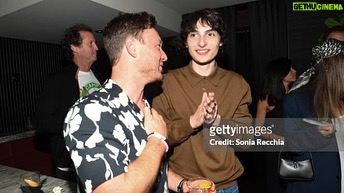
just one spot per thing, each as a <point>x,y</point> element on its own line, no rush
<point>194,78</point>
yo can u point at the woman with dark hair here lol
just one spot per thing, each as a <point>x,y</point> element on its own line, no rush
<point>321,100</point>
<point>279,74</point>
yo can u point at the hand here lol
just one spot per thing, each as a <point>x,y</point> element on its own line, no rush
<point>205,111</point>
<point>186,188</point>
<point>197,118</point>
<point>210,107</point>
<point>327,130</point>
<point>213,189</point>
<point>154,122</point>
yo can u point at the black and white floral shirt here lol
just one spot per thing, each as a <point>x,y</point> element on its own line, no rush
<point>104,133</point>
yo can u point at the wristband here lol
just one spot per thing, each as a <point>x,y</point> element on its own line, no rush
<point>180,185</point>
<point>159,136</point>
<point>212,119</point>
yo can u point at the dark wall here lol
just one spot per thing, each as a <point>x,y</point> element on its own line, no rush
<point>24,66</point>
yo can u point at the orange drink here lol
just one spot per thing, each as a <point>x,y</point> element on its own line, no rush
<point>199,185</point>
<point>31,182</point>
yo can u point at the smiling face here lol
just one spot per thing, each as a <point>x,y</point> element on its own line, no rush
<point>203,44</point>
<point>152,55</point>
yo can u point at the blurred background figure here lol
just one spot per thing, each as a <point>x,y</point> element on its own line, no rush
<point>279,75</point>
<point>63,89</point>
<point>322,100</point>
<point>336,32</point>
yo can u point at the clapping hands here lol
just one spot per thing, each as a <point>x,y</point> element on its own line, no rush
<point>206,111</point>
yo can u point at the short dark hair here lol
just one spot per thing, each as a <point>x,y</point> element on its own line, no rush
<point>72,37</point>
<point>207,16</point>
<point>123,26</point>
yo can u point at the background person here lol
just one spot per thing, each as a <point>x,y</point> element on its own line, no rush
<point>321,100</point>
<point>336,32</point>
<point>279,75</point>
<point>61,91</point>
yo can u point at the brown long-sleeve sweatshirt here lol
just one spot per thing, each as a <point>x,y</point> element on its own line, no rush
<point>180,96</point>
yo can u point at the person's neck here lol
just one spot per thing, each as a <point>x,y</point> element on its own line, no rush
<point>204,69</point>
<point>82,65</point>
<point>286,86</point>
<point>131,85</point>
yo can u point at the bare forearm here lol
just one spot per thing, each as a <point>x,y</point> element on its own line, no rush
<point>173,180</point>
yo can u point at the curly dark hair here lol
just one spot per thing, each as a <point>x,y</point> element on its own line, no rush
<point>73,37</point>
<point>123,26</point>
<point>207,16</point>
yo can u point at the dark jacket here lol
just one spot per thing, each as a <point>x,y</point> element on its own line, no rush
<point>304,138</point>
<point>60,92</point>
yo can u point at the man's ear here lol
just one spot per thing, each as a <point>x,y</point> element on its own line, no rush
<point>74,48</point>
<point>130,46</point>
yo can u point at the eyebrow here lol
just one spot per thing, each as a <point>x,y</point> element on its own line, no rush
<point>209,30</point>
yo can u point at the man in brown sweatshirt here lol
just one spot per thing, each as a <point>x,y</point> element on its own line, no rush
<point>202,93</point>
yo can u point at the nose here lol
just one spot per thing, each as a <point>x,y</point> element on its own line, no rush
<point>202,41</point>
<point>163,56</point>
<point>95,46</point>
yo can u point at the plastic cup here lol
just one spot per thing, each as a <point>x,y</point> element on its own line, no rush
<point>199,185</point>
<point>31,182</point>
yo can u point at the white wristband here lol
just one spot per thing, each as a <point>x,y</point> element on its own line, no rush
<point>159,136</point>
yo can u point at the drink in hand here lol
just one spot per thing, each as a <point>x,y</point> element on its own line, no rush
<point>199,185</point>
